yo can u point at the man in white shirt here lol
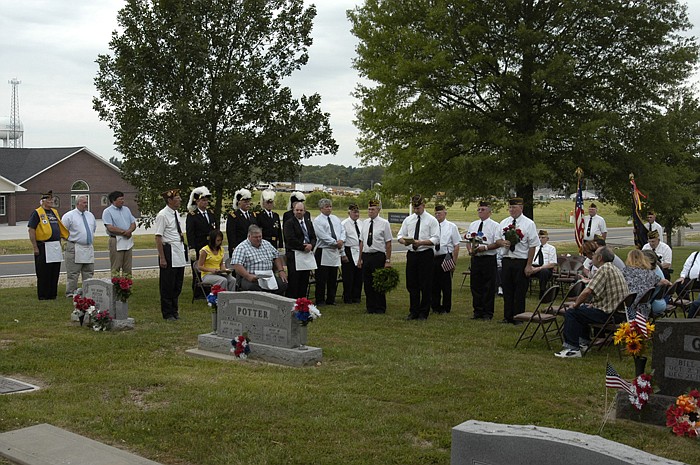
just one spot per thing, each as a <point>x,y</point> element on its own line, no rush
<point>481,243</point>
<point>594,224</point>
<point>80,253</point>
<point>375,249</point>
<point>545,261</point>
<point>120,225</point>
<point>330,243</point>
<point>652,225</point>
<point>519,245</point>
<point>420,233</point>
<point>352,275</point>
<point>662,251</point>
<point>691,267</point>
<point>171,254</point>
<point>448,245</point>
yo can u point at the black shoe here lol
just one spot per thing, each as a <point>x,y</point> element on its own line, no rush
<point>410,317</point>
<point>516,323</point>
<point>171,318</point>
<point>477,317</point>
<point>177,316</point>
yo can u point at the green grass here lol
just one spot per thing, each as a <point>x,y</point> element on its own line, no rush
<point>387,392</point>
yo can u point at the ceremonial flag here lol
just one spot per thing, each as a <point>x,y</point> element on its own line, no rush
<point>578,214</point>
<point>641,321</point>
<point>640,232</point>
<point>614,381</point>
<point>448,264</point>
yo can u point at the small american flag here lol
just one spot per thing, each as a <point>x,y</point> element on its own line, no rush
<point>578,217</point>
<point>448,264</point>
<point>641,321</point>
<point>614,381</point>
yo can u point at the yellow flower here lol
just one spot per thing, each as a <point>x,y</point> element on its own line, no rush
<point>634,346</point>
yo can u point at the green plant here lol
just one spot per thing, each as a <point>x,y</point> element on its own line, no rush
<point>385,280</point>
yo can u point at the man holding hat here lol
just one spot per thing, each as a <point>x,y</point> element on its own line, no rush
<point>199,223</point>
<point>594,224</point>
<point>545,261</point>
<point>481,243</point>
<point>420,232</point>
<point>171,254</point>
<point>352,275</point>
<point>239,220</point>
<point>45,233</point>
<point>662,250</point>
<point>269,221</point>
<point>443,267</point>
<point>375,250</point>
<point>519,240</point>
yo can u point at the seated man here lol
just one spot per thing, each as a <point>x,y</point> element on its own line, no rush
<point>255,260</point>
<point>662,251</point>
<point>544,262</point>
<point>606,289</point>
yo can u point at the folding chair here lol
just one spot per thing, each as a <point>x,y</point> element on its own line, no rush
<point>544,316</point>
<point>198,284</point>
<point>681,301</point>
<point>464,276</point>
<point>605,331</point>
<point>570,297</point>
<point>660,292</point>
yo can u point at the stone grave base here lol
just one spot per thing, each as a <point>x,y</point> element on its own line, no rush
<point>117,325</point>
<point>653,413</point>
<point>217,346</point>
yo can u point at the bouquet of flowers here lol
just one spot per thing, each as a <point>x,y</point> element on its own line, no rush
<point>634,335</point>
<point>213,297</point>
<point>642,388</point>
<point>122,286</point>
<point>512,235</point>
<point>385,280</point>
<point>684,416</point>
<point>305,311</point>
<point>475,239</point>
<point>81,305</point>
<point>241,346</point>
<point>102,320</point>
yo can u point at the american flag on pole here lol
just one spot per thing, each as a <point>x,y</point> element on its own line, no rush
<point>578,213</point>
<point>448,264</point>
<point>641,321</point>
<point>614,381</point>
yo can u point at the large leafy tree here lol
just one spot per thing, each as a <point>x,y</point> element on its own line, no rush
<point>496,97</point>
<point>193,91</point>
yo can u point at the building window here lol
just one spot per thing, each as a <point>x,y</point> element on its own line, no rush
<point>3,211</point>
<point>80,186</point>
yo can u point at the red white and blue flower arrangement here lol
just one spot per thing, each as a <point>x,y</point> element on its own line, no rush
<point>305,311</point>
<point>683,417</point>
<point>81,306</point>
<point>642,388</point>
<point>213,296</point>
<point>241,346</point>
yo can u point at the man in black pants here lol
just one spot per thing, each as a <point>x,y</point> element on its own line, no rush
<point>171,254</point>
<point>375,252</point>
<point>481,243</point>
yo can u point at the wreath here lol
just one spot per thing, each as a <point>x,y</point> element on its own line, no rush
<point>385,280</point>
<point>683,417</point>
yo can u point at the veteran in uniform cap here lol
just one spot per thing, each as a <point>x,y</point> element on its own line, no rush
<point>269,221</point>
<point>45,233</point>
<point>352,275</point>
<point>171,254</point>
<point>481,237</point>
<point>420,232</point>
<point>446,248</point>
<point>594,224</point>
<point>662,250</point>
<point>375,252</point>
<point>519,240</point>
<point>545,261</point>
<point>199,223</point>
<point>239,220</point>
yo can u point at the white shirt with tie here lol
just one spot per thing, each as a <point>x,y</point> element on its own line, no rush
<point>597,227</point>
<point>429,230</point>
<point>549,255</point>
<point>491,233</point>
<point>449,237</point>
<point>691,267</point>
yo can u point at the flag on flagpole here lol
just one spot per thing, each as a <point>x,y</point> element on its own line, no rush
<point>641,321</point>
<point>614,381</point>
<point>640,232</point>
<point>448,264</point>
<point>578,213</point>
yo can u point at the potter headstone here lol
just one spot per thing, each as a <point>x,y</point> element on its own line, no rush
<point>101,290</point>
<point>676,355</point>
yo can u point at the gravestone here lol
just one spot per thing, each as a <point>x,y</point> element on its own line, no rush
<point>275,335</point>
<point>676,356</point>
<point>11,386</point>
<point>483,443</point>
<point>101,290</point>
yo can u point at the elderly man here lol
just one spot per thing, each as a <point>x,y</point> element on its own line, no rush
<point>594,224</point>
<point>239,220</point>
<point>269,221</point>
<point>171,254</point>
<point>199,223</point>
<point>80,254</point>
<point>420,232</point>
<point>352,274</point>
<point>652,225</point>
<point>481,237</point>
<point>519,240</point>
<point>448,246</point>
<point>606,290</point>
<point>662,250</point>
<point>375,252</point>
<point>120,225</point>
<point>255,260</point>
<point>45,233</point>
<point>300,240</point>
<point>330,243</point>
<point>545,261</point>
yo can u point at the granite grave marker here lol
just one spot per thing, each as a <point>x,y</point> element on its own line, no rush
<point>676,355</point>
<point>101,290</point>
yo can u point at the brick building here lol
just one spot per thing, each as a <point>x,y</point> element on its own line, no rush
<point>67,171</point>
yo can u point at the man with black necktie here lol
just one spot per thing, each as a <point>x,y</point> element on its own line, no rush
<point>199,223</point>
<point>652,225</point>
<point>375,250</point>
<point>171,254</point>
<point>239,220</point>
<point>545,261</point>
<point>448,245</point>
<point>299,237</point>
<point>330,243</point>
<point>269,221</point>
<point>352,275</point>
<point>481,237</point>
<point>420,233</point>
<point>594,224</point>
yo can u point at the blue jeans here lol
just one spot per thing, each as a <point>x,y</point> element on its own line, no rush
<point>694,308</point>
<point>576,324</point>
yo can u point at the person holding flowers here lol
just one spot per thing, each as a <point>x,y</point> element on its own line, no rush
<point>481,237</point>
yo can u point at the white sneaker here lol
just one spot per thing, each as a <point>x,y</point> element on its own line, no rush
<point>567,353</point>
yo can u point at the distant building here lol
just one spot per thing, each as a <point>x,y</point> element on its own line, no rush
<point>68,171</point>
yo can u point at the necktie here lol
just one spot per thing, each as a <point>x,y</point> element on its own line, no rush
<point>307,240</point>
<point>588,231</point>
<point>416,233</point>
<point>437,247</point>
<point>357,230</point>
<point>649,226</point>
<point>206,218</point>
<point>370,233</point>
<point>177,225</point>
<point>246,216</point>
<point>269,213</point>
<point>87,229</point>
<point>481,227</point>
<point>512,246</point>
<point>540,257</point>
<point>330,225</point>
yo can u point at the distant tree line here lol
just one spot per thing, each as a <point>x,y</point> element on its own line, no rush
<point>338,175</point>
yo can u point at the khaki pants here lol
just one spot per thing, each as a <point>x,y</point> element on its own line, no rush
<point>73,270</point>
<point>119,260</point>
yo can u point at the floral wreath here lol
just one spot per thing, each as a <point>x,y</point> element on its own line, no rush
<point>213,297</point>
<point>684,416</point>
<point>642,388</point>
<point>476,238</point>
<point>305,311</point>
<point>241,346</point>
<point>385,280</point>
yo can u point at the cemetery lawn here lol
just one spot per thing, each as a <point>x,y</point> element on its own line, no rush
<point>387,392</point>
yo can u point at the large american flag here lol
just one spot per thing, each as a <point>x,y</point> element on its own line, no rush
<point>578,218</point>
<point>614,381</point>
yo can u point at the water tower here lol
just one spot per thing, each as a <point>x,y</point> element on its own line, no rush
<point>11,129</point>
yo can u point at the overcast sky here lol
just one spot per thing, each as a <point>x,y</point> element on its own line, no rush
<point>51,47</point>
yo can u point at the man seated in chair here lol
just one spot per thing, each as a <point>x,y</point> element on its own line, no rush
<point>255,261</point>
<point>606,290</point>
<point>544,262</point>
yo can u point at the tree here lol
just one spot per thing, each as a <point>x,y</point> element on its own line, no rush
<point>482,98</point>
<point>193,94</point>
<point>116,162</point>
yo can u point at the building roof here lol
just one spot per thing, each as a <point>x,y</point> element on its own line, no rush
<point>21,165</point>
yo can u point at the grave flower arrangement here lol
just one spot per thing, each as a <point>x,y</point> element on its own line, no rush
<point>213,297</point>
<point>305,311</point>
<point>102,320</point>
<point>241,346</point>
<point>385,280</point>
<point>81,306</point>
<point>475,239</point>
<point>634,336</point>
<point>683,417</point>
<point>122,287</point>
<point>512,235</point>
<point>642,389</point>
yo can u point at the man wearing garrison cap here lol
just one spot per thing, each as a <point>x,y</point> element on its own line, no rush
<point>352,275</point>
<point>375,249</point>
<point>652,225</point>
<point>594,224</point>
<point>239,220</point>
<point>45,233</point>
<point>171,254</point>
<point>545,261</point>
<point>481,237</point>
<point>662,251</point>
<point>448,246</point>
<point>519,240</point>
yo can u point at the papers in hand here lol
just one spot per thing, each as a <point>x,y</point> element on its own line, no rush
<point>124,243</point>
<point>266,280</point>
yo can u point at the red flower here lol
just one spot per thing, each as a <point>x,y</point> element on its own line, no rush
<point>215,289</point>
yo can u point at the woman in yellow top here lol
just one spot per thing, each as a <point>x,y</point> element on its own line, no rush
<point>211,263</point>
